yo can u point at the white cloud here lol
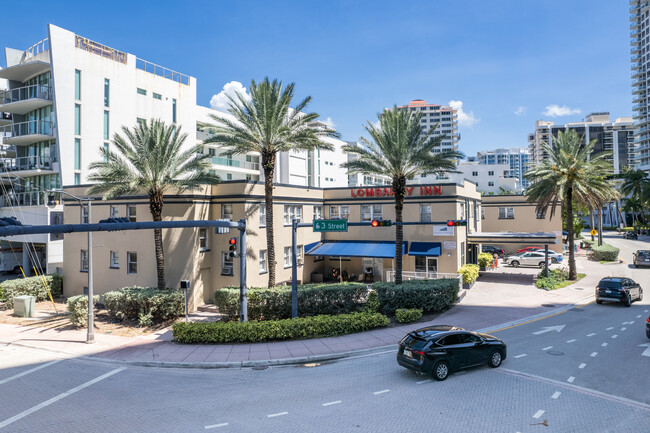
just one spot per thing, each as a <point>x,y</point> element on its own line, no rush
<point>464,119</point>
<point>329,122</point>
<point>555,110</point>
<point>220,100</point>
<point>521,110</point>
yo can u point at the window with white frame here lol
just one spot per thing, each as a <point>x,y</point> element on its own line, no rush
<point>263,266</point>
<point>462,211</point>
<point>226,264</point>
<point>490,183</point>
<point>340,212</point>
<point>490,173</point>
<point>425,213</point>
<point>262,208</point>
<point>462,253</point>
<point>541,214</point>
<point>299,257</point>
<point>371,212</point>
<point>287,257</point>
<point>115,212</point>
<point>203,239</point>
<point>84,215</point>
<point>226,211</point>
<point>318,212</point>
<point>84,260</point>
<point>132,262</point>
<point>131,213</point>
<point>482,213</point>
<point>291,212</point>
<point>506,213</point>
<point>115,260</point>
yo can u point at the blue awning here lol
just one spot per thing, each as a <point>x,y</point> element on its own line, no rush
<point>425,249</point>
<point>381,250</point>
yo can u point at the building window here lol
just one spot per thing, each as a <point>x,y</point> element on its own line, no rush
<point>84,215</point>
<point>105,151</point>
<point>371,212</point>
<point>425,213</point>
<point>77,84</point>
<point>226,264</point>
<point>462,211</point>
<point>299,258</point>
<point>490,183</point>
<point>228,176</point>
<point>291,212</point>
<point>318,212</point>
<point>141,121</point>
<point>77,119</point>
<point>226,211</point>
<point>462,253</point>
<point>490,173</point>
<point>77,178</point>
<point>130,212</point>
<point>142,92</point>
<point>84,260</point>
<point>115,260</point>
<point>173,110</point>
<point>262,208</point>
<point>340,212</point>
<point>105,125</point>
<point>115,212</point>
<point>77,154</point>
<point>107,84</point>
<point>263,267</point>
<point>287,257</point>
<point>157,96</point>
<point>506,213</point>
<point>475,173</point>
<point>203,239</point>
<point>132,262</point>
<point>541,214</point>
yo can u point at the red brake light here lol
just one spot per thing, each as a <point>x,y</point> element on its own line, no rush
<point>647,320</point>
<point>419,352</point>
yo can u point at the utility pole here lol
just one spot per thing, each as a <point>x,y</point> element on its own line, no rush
<point>243,298</point>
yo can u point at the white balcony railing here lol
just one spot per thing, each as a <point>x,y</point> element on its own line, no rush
<point>20,94</point>
<point>217,160</point>
<point>26,163</point>
<point>33,198</point>
<point>32,127</point>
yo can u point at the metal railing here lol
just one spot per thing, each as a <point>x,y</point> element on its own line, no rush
<point>32,198</point>
<point>35,91</point>
<point>422,275</point>
<point>161,71</point>
<point>26,163</point>
<point>100,49</point>
<point>235,163</point>
<point>31,127</point>
<point>37,48</point>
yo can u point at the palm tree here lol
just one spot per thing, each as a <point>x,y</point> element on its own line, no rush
<point>570,173</point>
<point>635,183</point>
<point>266,123</point>
<point>398,148</point>
<point>149,157</point>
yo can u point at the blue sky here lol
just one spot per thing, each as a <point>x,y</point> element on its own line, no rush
<point>507,60</point>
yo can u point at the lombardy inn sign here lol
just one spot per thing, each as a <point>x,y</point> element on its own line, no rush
<point>385,192</point>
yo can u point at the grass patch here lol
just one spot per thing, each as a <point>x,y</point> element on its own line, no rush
<point>569,282</point>
<point>557,278</point>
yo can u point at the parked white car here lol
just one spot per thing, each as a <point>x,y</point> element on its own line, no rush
<point>533,258</point>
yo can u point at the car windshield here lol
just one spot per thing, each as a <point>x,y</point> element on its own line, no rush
<point>644,254</point>
<point>609,284</point>
<point>413,343</point>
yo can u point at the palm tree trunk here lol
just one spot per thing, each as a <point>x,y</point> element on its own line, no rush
<point>568,199</point>
<point>268,162</point>
<point>399,189</point>
<point>155,207</point>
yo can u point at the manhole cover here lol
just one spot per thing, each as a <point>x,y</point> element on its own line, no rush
<point>578,288</point>
<point>548,305</point>
<point>555,352</point>
<point>576,309</point>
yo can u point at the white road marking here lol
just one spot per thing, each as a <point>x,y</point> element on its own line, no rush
<point>571,379</point>
<point>555,395</point>
<point>570,341</point>
<point>645,311</point>
<point>538,414</point>
<point>277,414</point>
<point>631,322</point>
<point>223,424</point>
<point>381,392</point>
<point>609,329</point>
<point>520,356</point>
<point>604,344</point>
<point>423,381</point>
<point>546,329</point>
<point>547,348</point>
<point>646,352</point>
<point>623,328</point>
<point>638,317</point>
<point>332,402</point>
<point>29,411</point>
<point>591,335</point>
<point>614,336</point>
<point>594,354</point>
<point>583,365</point>
<point>24,373</point>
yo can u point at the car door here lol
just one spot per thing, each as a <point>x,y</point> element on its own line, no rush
<point>456,351</point>
<point>634,289</point>
<point>477,350</point>
<point>525,259</point>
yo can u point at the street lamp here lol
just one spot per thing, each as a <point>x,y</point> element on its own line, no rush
<point>51,202</point>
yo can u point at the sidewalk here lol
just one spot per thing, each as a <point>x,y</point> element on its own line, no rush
<point>498,299</point>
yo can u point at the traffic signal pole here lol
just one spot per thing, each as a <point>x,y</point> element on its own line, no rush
<point>243,298</point>
<point>294,269</point>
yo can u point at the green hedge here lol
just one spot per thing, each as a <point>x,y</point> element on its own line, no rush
<point>146,304</point>
<point>605,252</point>
<point>484,259</point>
<point>427,295</point>
<point>588,243</point>
<point>275,303</point>
<point>78,308</point>
<point>403,315</point>
<point>301,327</point>
<point>32,286</point>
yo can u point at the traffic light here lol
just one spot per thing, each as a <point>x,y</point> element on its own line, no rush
<point>232,247</point>
<point>452,223</point>
<point>380,223</point>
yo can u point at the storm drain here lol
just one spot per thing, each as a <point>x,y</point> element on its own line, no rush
<point>259,368</point>
<point>555,352</point>
<point>578,288</point>
<point>548,305</point>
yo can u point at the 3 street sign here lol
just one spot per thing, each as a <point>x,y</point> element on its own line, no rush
<point>331,225</point>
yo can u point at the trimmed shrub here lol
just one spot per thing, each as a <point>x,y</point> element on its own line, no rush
<point>605,252</point>
<point>484,259</point>
<point>78,308</point>
<point>372,304</point>
<point>407,316</point>
<point>301,327</point>
<point>427,295</point>
<point>32,286</point>
<point>146,304</point>
<point>275,303</point>
<point>588,243</point>
<point>469,273</point>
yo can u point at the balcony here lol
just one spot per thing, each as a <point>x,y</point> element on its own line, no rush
<point>13,198</point>
<point>25,99</point>
<point>25,166</point>
<point>255,166</point>
<point>5,118</point>
<point>30,132</point>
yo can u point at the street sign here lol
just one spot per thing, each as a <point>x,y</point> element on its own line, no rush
<point>222,230</point>
<point>593,232</point>
<point>331,225</point>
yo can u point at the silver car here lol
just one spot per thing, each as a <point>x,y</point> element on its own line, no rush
<point>531,258</point>
<point>642,258</point>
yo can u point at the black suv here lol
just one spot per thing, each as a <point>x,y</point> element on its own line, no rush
<point>618,289</point>
<point>630,235</point>
<point>443,349</point>
<point>493,250</point>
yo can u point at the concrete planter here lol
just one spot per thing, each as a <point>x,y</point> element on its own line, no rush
<point>467,286</point>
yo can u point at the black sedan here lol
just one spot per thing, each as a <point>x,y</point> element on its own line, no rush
<point>443,349</point>
<point>493,250</point>
<point>630,235</point>
<point>647,327</point>
<point>618,289</point>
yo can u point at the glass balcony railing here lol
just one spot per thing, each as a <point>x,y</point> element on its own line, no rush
<point>26,163</point>
<point>33,198</point>
<point>23,129</point>
<point>235,163</point>
<point>20,94</point>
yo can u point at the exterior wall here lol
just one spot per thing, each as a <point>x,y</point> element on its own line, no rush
<point>525,220</point>
<point>444,116</point>
<point>639,27</point>
<point>488,178</point>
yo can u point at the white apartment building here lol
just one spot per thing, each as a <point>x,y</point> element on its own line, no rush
<point>616,136</point>
<point>444,116</point>
<point>489,179</point>
<point>517,158</point>
<point>640,43</point>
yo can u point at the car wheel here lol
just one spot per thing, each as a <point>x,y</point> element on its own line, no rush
<point>598,301</point>
<point>441,370</point>
<point>515,263</point>
<point>541,265</point>
<point>640,295</point>
<point>628,301</point>
<point>553,260</point>
<point>17,270</point>
<point>495,359</point>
